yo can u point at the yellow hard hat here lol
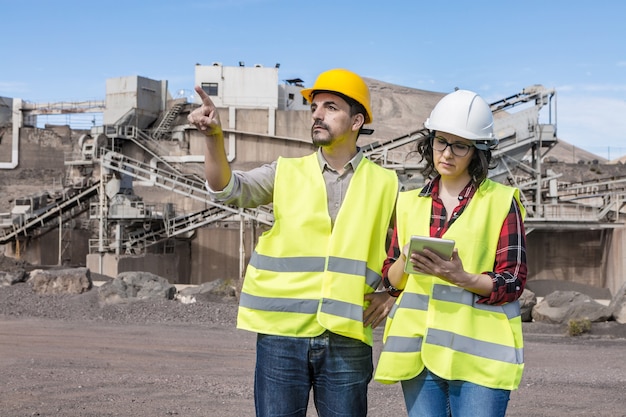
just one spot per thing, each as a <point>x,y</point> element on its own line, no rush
<point>343,82</point>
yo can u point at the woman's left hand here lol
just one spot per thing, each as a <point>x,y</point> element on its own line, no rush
<point>428,262</point>
<point>452,271</point>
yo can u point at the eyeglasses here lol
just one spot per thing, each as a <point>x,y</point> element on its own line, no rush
<point>458,149</point>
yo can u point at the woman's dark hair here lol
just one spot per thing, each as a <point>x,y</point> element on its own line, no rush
<point>478,168</point>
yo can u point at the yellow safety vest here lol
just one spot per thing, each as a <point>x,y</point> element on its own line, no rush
<point>306,276</point>
<point>441,326</point>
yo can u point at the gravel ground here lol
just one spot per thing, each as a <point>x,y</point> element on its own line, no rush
<point>65,355</point>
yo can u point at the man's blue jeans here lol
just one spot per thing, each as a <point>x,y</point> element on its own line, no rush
<point>428,395</point>
<point>336,367</point>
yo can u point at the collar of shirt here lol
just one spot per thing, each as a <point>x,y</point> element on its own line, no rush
<point>354,162</point>
<point>438,219</point>
<point>431,189</point>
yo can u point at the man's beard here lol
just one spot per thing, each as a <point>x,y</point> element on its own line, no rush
<point>322,141</point>
<point>323,137</point>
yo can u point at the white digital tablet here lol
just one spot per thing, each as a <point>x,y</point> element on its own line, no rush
<point>442,247</point>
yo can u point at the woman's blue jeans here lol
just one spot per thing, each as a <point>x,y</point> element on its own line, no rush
<point>427,395</point>
<point>336,367</point>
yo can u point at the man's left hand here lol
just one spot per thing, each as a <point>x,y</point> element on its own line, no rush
<point>378,309</point>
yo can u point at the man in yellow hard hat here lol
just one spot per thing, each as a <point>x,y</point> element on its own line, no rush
<point>310,287</point>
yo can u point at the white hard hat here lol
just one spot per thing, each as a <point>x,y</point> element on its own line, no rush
<point>465,114</point>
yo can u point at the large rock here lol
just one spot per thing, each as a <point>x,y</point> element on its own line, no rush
<point>60,281</point>
<point>527,301</point>
<point>561,306</point>
<point>215,290</point>
<point>135,285</point>
<point>10,278</point>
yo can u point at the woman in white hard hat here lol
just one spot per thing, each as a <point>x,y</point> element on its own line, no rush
<point>454,336</point>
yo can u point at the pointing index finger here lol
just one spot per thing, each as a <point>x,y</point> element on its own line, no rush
<point>203,96</point>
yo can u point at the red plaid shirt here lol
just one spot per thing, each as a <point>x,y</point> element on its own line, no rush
<point>509,271</point>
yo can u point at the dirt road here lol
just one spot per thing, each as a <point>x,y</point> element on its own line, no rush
<point>84,368</point>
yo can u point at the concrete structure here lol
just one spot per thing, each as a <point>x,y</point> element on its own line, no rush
<point>134,100</point>
<point>6,109</point>
<point>252,87</point>
<point>289,97</point>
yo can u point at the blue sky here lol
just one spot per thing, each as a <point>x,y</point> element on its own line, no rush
<point>65,50</point>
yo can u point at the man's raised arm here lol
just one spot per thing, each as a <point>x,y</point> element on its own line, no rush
<point>207,120</point>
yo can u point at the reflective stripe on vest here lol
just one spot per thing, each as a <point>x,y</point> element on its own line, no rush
<point>456,295</point>
<point>475,347</point>
<point>315,264</point>
<point>303,277</point>
<point>310,264</point>
<point>441,326</point>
